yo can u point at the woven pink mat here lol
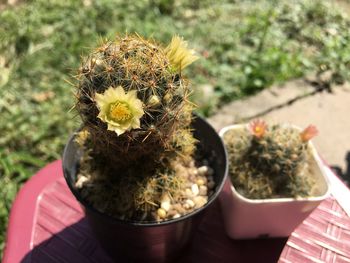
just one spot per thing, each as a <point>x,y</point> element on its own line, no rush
<point>323,237</point>
<point>47,225</point>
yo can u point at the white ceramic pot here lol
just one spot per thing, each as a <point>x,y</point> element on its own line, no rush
<point>246,218</point>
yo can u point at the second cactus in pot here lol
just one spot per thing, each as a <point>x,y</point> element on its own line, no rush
<point>277,179</point>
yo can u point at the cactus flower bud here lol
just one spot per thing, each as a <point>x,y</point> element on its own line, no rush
<point>153,101</point>
<point>308,133</point>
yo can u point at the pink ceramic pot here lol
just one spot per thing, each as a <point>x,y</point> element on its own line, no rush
<point>254,218</point>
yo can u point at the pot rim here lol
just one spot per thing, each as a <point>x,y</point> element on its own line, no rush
<point>315,155</point>
<point>211,199</point>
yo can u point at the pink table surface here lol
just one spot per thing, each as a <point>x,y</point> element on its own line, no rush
<point>47,225</point>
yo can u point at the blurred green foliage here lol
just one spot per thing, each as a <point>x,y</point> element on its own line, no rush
<point>245,47</point>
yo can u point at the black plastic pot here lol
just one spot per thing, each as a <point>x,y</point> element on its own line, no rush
<point>128,241</point>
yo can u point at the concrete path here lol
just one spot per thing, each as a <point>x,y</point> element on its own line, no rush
<point>297,102</point>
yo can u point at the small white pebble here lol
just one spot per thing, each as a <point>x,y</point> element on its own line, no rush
<point>200,201</point>
<point>203,190</point>
<point>188,184</point>
<point>203,170</point>
<point>177,167</point>
<point>200,181</point>
<point>192,178</point>
<point>190,203</point>
<point>186,206</point>
<point>188,192</point>
<point>161,213</point>
<point>179,208</point>
<point>182,174</point>
<point>81,181</point>
<point>171,212</point>
<point>176,216</point>
<point>165,205</point>
<point>165,198</point>
<point>210,171</point>
<point>195,189</point>
<point>211,184</point>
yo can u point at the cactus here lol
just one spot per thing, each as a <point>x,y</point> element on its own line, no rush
<point>269,162</point>
<point>134,104</point>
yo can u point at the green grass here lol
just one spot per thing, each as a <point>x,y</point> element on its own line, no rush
<point>245,47</point>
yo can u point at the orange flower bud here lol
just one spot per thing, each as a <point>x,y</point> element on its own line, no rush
<point>308,133</point>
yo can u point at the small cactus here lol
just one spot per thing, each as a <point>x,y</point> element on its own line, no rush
<point>134,104</point>
<point>270,161</point>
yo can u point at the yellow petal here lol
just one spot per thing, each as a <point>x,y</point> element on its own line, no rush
<point>178,53</point>
<point>131,95</point>
<point>135,124</point>
<point>117,130</point>
<point>100,99</point>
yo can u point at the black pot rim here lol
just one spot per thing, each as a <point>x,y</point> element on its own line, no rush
<point>88,206</point>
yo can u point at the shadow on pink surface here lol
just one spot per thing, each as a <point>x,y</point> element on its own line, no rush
<point>75,243</point>
<point>47,225</point>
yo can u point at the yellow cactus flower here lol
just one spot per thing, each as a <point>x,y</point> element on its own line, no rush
<point>121,110</point>
<point>178,54</point>
<point>258,128</point>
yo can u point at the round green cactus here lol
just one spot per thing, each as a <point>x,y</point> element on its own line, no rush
<point>268,162</point>
<point>131,64</point>
<point>134,103</point>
